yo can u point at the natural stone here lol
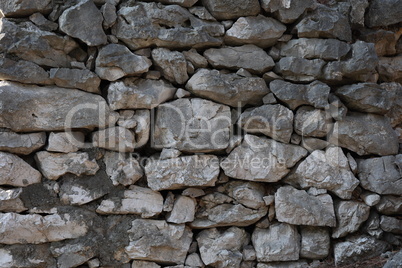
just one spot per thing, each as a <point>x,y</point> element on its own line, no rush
<point>261,159</point>
<point>172,64</point>
<point>117,139</point>
<point>383,13</point>
<point>384,41</point>
<point>249,57</point>
<point>394,261</point>
<point>16,172</point>
<point>144,264</point>
<point>39,256</point>
<point>230,89</point>
<point>395,113</point>
<point>182,172</point>
<point>12,8</point>
<point>249,194</point>
<point>389,69</point>
<point>391,224</point>
<point>194,260</point>
<point>313,144</point>
<point>390,205</point>
<point>183,3</point>
<point>315,242</point>
<point>371,199</point>
<point>65,142</point>
<point>299,69</point>
<point>122,169</point>
<point>350,215</point>
<point>195,58</point>
<point>310,122</point>
<point>336,108</point>
<point>55,165</point>
<point>183,210</point>
<point>10,200</point>
<point>193,192</point>
<point>137,93</point>
<point>227,10</point>
<point>109,15</point>
<point>76,78</point>
<point>259,30</point>
<point>21,143</point>
<point>275,121</point>
<point>358,8</point>
<point>287,11</point>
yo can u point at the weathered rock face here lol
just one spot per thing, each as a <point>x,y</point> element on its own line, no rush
<point>390,69</point>
<point>391,224</point>
<point>315,242</point>
<point>183,3</point>
<point>383,13</point>
<point>11,8</point>
<point>230,89</point>
<point>76,78</point>
<point>21,143</point>
<point>65,142</point>
<point>227,10</point>
<point>139,26</point>
<point>172,64</point>
<point>287,11</point>
<point>32,110</point>
<point>390,205</point>
<point>299,69</point>
<point>261,159</point>
<point>311,122</point>
<point>23,71</point>
<point>16,172</point>
<point>183,210</point>
<point>122,169</point>
<point>350,215</point>
<point>10,200</point>
<point>117,139</point>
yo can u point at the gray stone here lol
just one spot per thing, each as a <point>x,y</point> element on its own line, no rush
<point>183,3</point>
<point>16,172</point>
<point>295,95</point>
<point>34,109</point>
<point>10,200</point>
<point>383,13</point>
<point>202,13</point>
<point>391,224</point>
<point>12,8</point>
<point>72,254</point>
<point>65,142</point>
<point>390,205</point>
<point>182,172</point>
<point>372,225</point>
<point>117,139</point>
<point>299,208</point>
<point>39,256</point>
<point>395,113</point>
<point>315,242</point>
<point>371,199</point>
<point>287,11</point>
<point>230,89</point>
<point>76,78</point>
<point>155,240</point>
<point>260,30</point>
<point>228,10</point>
<point>275,121</point>
<point>394,261</point>
<point>109,15</point>
<point>142,119</point>
<point>21,143</point>
<point>122,169</point>
<point>365,134</point>
<point>43,23</point>
<point>280,242</point>
<point>193,192</point>
<point>249,57</point>
<point>299,69</point>
<point>84,21</point>
<point>137,93</point>
<point>313,144</point>
<point>269,98</point>
<point>261,159</point>
<point>183,210</point>
<point>222,248</point>
<point>336,108</point>
<point>293,264</point>
<point>140,25</point>
<point>172,64</point>
<point>195,58</point>
<point>358,8</point>
<point>382,175</point>
<point>115,61</point>
<point>194,260</point>
<point>249,194</point>
<point>385,41</point>
<point>144,264</point>
<point>169,153</point>
<point>310,122</point>
<point>390,69</point>
<point>350,215</point>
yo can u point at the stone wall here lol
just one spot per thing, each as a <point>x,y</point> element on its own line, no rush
<point>209,133</point>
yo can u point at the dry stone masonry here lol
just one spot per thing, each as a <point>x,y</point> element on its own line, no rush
<point>200,133</point>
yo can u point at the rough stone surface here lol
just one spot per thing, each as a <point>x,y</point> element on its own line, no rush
<point>12,8</point>
<point>287,11</point>
<point>76,78</point>
<point>350,215</point>
<point>16,172</point>
<point>390,69</point>
<point>228,10</point>
<point>394,261</point>
<point>172,64</point>
<point>21,143</point>
<point>65,142</point>
<point>391,224</point>
<point>183,210</point>
<point>310,122</point>
<point>10,200</point>
<point>122,169</point>
<point>117,139</point>
<point>299,69</point>
<point>315,242</point>
<point>183,3</point>
<point>390,205</point>
<point>23,71</point>
<point>383,13</point>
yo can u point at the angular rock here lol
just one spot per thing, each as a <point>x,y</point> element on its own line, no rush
<point>325,22</point>
<point>280,242</point>
<point>172,64</point>
<point>230,89</point>
<point>390,69</point>
<point>299,69</point>
<point>16,172</point>
<point>182,172</point>
<point>395,113</point>
<point>21,143</point>
<point>39,256</point>
<point>137,93</point>
<point>76,78</point>
<point>37,229</point>
<point>222,248</point>
<point>248,57</point>
<point>287,11</point>
<point>195,58</point>
<point>115,61</point>
<point>109,15</point>
<point>299,208</point>
<point>391,224</point>
<point>43,23</point>
<point>55,165</point>
<point>192,125</point>
<point>313,48</point>
<point>72,253</point>
<point>140,25</point>
<point>84,21</point>
<point>315,242</point>
<point>260,30</point>
<point>137,200</point>
<point>34,109</point>
<point>117,139</point>
<point>390,205</point>
<point>310,122</point>
<point>275,121</point>
<point>383,13</point>
<point>183,210</point>
<point>228,10</point>
<point>261,159</point>
<point>183,3</point>
<point>394,261</point>
<point>122,169</point>
<point>365,134</point>
<point>249,194</point>
<point>65,142</point>
<point>313,144</point>
<point>24,8</point>
<point>194,260</point>
<point>350,215</point>
<point>144,264</point>
<point>326,170</point>
<point>384,41</point>
<point>295,95</point>
<point>371,199</point>
<point>10,200</point>
<point>158,241</point>
<point>382,175</point>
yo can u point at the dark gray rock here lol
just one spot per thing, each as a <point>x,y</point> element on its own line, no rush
<point>23,71</point>
<point>76,78</point>
<point>24,8</point>
<point>299,69</point>
<point>391,224</point>
<point>310,122</point>
<point>395,113</point>
<point>183,3</point>
<point>383,13</point>
<point>228,10</point>
<point>390,69</point>
<point>287,11</point>
<point>390,205</point>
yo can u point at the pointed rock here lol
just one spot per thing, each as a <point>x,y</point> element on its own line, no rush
<point>16,172</point>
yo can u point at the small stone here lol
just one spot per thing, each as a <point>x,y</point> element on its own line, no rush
<point>390,205</point>
<point>395,112</point>
<point>201,12</point>
<point>223,10</point>
<point>311,122</point>
<point>16,172</point>
<point>315,242</point>
<point>122,169</point>
<point>154,75</point>
<point>384,41</point>
<point>169,202</point>
<point>181,93</point>
<point>350,215</point>
<point>93,263</point>
<point>193,192</point>
<point>371,199</point>
<point>172,64</point>
<point>269,99</point>
<point>169,153</point>
<point>390,69</point>
<point>24,144</point>
<point>269,200</point>
<point>76,78</point>
<point>195,58</point>
<point>143,127</point>
<point>391,224</point>
<point>183,210</point>
<point>299,69</point>
<point>295,139</point>
<point>144,264</point>
<point>249,194</point>
<point>65,142</point>
<point>287,11</point>
<point>383,13</point>
<point>10,200</point>
<point>117,139</point>
<point>109,15</point>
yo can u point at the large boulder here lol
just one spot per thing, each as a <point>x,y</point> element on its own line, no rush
<point>228,10</point>
<point>16,172</point>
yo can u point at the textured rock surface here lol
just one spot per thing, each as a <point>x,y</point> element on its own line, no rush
<point>227,10</point>
<point>122,169</point>
<point>383,13</point>
<point>390,69</point>
<point>16,172</point>
<point>311,122</point>
<point>65,142</point>
<point>299,69</point>
<point>390,205</point>
<point>23,71</point>
<point>11,8</point>
<point>287,11</point>
<point>172,64</point>
<point>21,143</point>
<point>315,242</point>
<point>117,139</point>
<point>391,224</point>
<point>76,78</point>
<point>350,215</point>
<point>183,210</point>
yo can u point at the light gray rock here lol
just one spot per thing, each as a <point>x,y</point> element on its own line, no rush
<point>295,95</point>
<point>327,169</point>
<point>382,175</point>
<point>155,240</point>
<point>136,200</point>
<point>122,169</point>
<point>383,13</point>
<point>115,61</point>
<point>249,194</point>
<point>299,208</point>
<point>140,25</point>
<point>144,264</point>
<point>194,260</point>
<point>172,64</point>
<point>195,58</point>
<point>117,139</point>
<point>371,199</point>
<point>258,30</point>
<point>37,229</point>
<point>313,144</point>
<point>391,224</point>
<point>228,10</point>
<point>192,125</point>
<point>315,242</point>
<point>76,78</point>
<point>248,57</point>
<point>10,200</point>
<point>12,8</point>
<point>299,69</point>
<point>280,242</point>
<point>357,249</point>
<point>394,261</point>
<point>365,134</point>
<point>21,143</point>
<point>310,122</point>
<point>390,205</point>
<point>193,192</point>
<point>293,264</point>
<point>350,215</point>
<point>313,48</point>
<point>287,11</point>
<point>84,21</point>
<point>142,121</point>
<point>222,248</point>
<point>137,93</point>
<point>183,210</point>
<point>390,69</point>
<point>183,3</point>
<point>16,172</point>
<point>261,159</point>
<point>65,142</point>
<point>109,15</point>
<point>357,11</point>
<point>34,109</point>
<point>182,172</point>
<point>275,121</point>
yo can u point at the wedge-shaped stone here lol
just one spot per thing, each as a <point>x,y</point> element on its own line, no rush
<point>21,143</point>
<point>76,78</point>
<point>349,215</point>
<point>150,24</point>
<point>230,89</point>
<point>65,142</point>
<point>299,69</point>
<point>24,8</point>
<point>23,71</point>
<point>34,108</point>
<point>172,65</point>
<point>122,169</point>
<point>16,172</point>
<point>261,159</point>
<point>158,241</point>
<point>287,11</point>
<point>10,200</point>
